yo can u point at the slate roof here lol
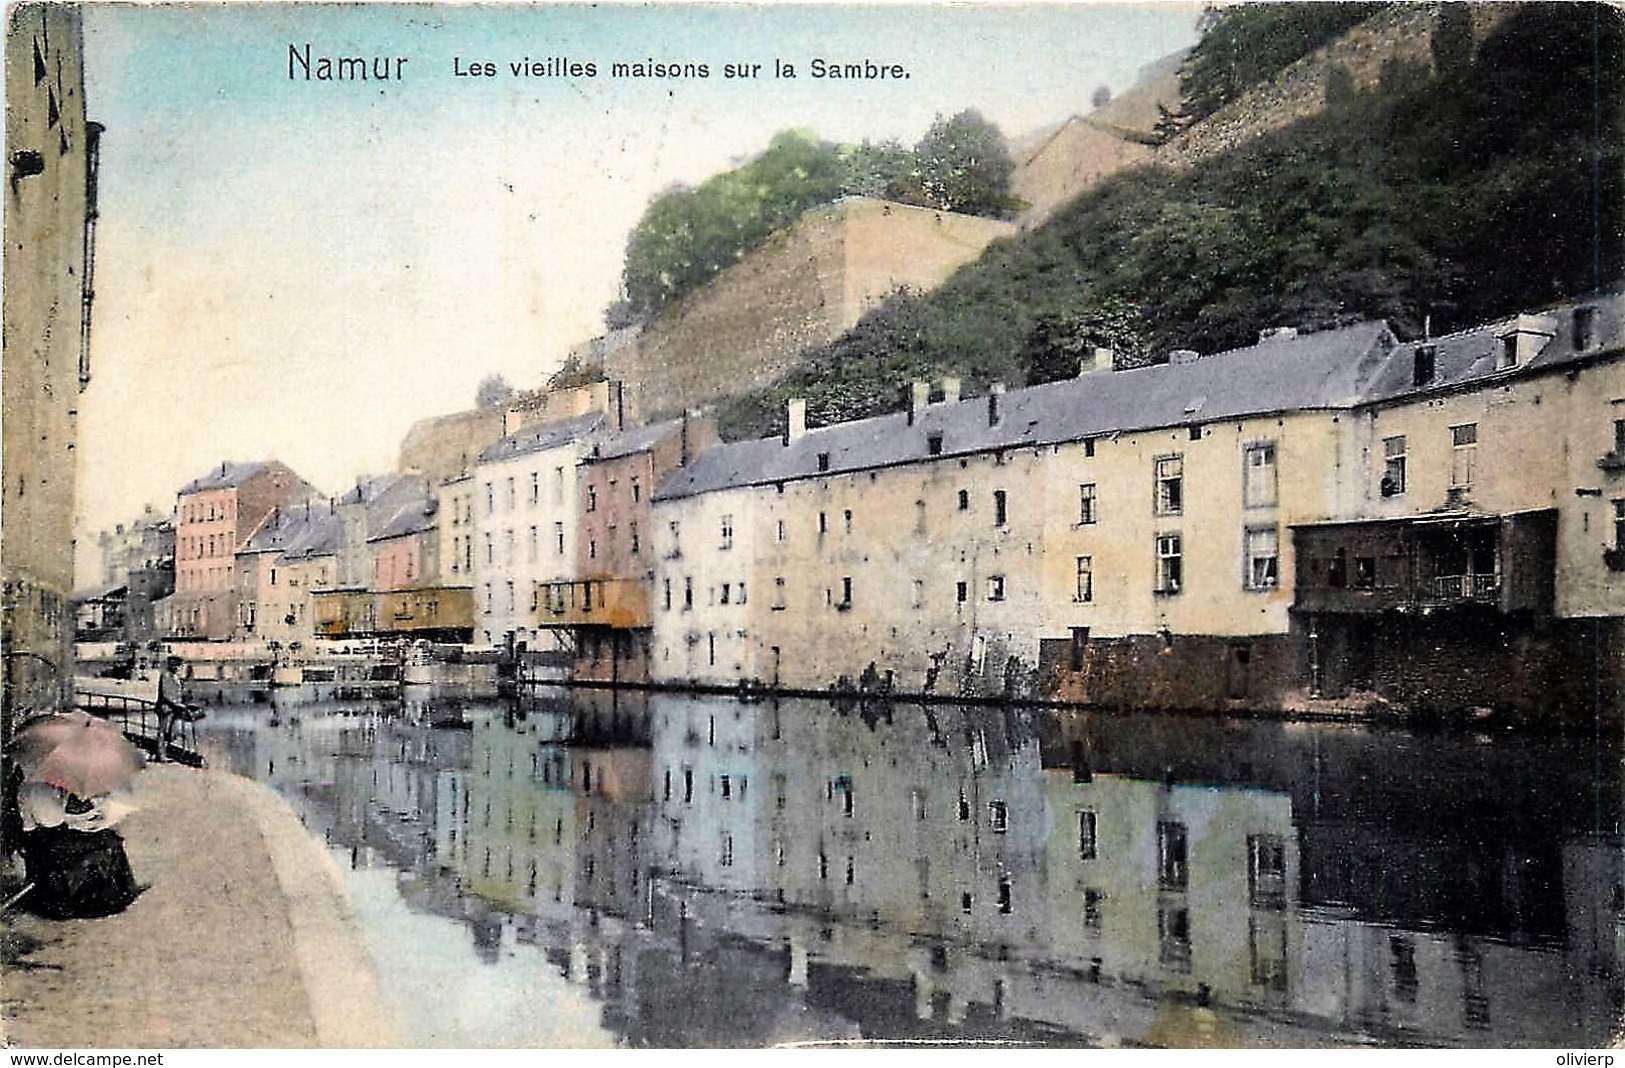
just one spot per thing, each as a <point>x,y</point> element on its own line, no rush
<point>632,442</point>
<point>1328,369</point>
<point>225,476</point>
<point>296,533</point>
<point>1469,356</point>
<point>417,517</point>
<point>542,436</point>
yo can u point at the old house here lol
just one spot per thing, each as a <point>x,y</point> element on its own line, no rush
<point>615,551</point>
<point>214,515</point>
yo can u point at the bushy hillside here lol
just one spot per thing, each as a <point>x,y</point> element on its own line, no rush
<point>1491,185</point>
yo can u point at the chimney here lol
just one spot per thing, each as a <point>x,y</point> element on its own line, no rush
<point>995,397</point>
<point>1183,356</point>
<point>919,395</point>
<point>222,469</point>
<point>950,391</point>
<point>795,426</point>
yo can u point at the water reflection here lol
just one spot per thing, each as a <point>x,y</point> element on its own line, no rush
<point>665,870</point>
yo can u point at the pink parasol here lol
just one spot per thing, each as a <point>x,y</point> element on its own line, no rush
<point>77,753</point>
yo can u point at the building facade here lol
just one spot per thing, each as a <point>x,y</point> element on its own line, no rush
<point>50,217</point>
<point>526,528</point>
<point>610,606</point>
<point>1167,536</point>
<point>214,516</point>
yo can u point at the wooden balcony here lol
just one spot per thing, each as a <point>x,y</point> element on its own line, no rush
<point>617,603</point>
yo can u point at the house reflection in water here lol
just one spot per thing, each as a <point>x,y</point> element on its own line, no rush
<point>712,871</point>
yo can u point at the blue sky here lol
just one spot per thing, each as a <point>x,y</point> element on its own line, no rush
<point>304,269</point>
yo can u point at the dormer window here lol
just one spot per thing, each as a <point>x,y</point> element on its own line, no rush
<point>823,461</point>
<point>1423,365</point>
<point>1585,319</point>
<point>933,444</point>
<point>1509,353</point>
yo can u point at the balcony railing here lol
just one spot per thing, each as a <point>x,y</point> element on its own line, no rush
<point>1452,588</point>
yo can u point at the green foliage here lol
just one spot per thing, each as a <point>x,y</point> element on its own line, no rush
<point>965,165</point>
<point>688,236</point>
<point>1463,197</point>
<point>492,390</point>
<point>1246,45</point>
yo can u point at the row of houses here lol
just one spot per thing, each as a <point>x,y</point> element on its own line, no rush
<point>1436,524</point>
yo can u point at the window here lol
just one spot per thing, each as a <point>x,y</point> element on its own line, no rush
<point>1174,937</point>
<point>1086,504</point>
<point>995,587</point>
<point>488,603</point>
<point>846,592</point>
<point>1086,834</point>
<point>558,539</point>
<point>823,523</point>
<point>1509,353</point>
<point>666,587</point>
<point>1463,455</point>
<point>727,532</point>
<point>1619,524</point>
<point>688,593</point>
<point>510,597</point>
<point>917,600</point>
<point>1170,485</point>
<point>535,543</point>
<point>1084,591</point>
<point>1091,907</point>
<point>1172,870</point>
<point>1259,490</point>
<point>1266,870</point>
<point>490,550</point>
<point>535,487</point>
<point>1089,446</point>
<point>1170,570</point>
<point>727,591</point>
<point>823,461</point>
<point>511,497</point>
<point>847,520</point>
<point>1263,551</point>
<point>933,444</point>
<point>1000,511</point>
<point>509,543</point>
<point>1393,466</point>
<point>964,500</point>
<point>778,530</point>
<point>998,816</point>
<point>961,592</point>
<point>778,593</point>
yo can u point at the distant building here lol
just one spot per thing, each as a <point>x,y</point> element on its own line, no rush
<point>215,514</point>
<point>50,219</point>
<point>291,557</point>
<point>138,569</point>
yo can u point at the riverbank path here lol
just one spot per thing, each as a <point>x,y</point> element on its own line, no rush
<point>245,938</point>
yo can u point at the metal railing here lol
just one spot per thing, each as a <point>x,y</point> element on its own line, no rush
<point>1465,588</point>
<point>137,718</point>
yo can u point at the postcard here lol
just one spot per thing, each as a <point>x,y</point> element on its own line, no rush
<point>751,525</point>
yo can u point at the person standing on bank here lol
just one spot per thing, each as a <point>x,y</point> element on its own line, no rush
<point>172,707</point>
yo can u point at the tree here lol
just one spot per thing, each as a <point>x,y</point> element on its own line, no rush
<point>493,390</point>
<point>1059,342</point>
<point>965,165</point>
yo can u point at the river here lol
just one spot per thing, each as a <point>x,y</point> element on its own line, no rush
<point>623,868</point>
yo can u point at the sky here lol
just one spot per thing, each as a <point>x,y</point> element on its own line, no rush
<point>302,269</point>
